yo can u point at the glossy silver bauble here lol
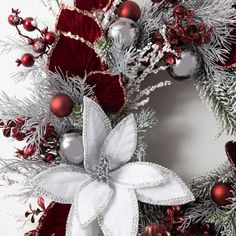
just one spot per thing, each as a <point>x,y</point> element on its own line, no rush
<point>71,148</point>
<point>124,32</point>
<point>186,67</point>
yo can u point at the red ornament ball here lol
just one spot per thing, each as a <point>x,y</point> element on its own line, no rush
<point>50,37</point>
<point>39,45</point>
<point>14,20</point>
<point>27,60</point>
<point>29,24</point>
<point>220,193</point>
<point>129,9</point>
<point>61,105</point>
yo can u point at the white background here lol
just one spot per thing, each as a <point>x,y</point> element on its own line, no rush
<point>184,139</point>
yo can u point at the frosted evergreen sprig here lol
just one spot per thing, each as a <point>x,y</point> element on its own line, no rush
<point>11,44</point>
<point>221,97</point>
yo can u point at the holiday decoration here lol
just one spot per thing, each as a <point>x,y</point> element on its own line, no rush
<point>39,46</point>
<point>185,67</point>
<point>113,95</point>
<point>124,31</point>
<point>71,148</point>
<point>50,37</point>
<point>221,192</point>
<point>29,24</point>
<point>26,60</point>
<point>91,70</point>
<point>105,153</point>
<point>130,10</point>
<point>61,105</point>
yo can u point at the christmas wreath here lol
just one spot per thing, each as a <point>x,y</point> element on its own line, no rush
<point>84,126</point>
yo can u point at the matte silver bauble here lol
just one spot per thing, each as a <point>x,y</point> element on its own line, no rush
<point>186,67</point>
<point>71,148</point>
<point>124,32</point>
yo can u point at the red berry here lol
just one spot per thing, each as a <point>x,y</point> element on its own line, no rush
<point>170,58</point>
<point>19,121</point>
<point>49,158</point>
<point>177,208</point>
<point>29,24</point>
<point>170,212</point>
<point>50,37</point>
<point>14,20</point>
<point>179,10</point>
<point>29,151</point>
<point>148,230</point>
<point>39,45</point>
<point>19,136</point>
<point>7,132</point>
<point>61,105</point>
<point>41,203</point>
<point>27,60</point>
<point>11,124</point>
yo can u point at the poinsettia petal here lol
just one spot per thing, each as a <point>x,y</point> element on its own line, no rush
<point>121,143</point>
<point>79,23</point>
<point>122,215</point>
<point>73,227</point>
<point>91,200</point>
<point>109,90</point>
<point>73,57</point>
<point>173,192</point>
<point>92,5</point>
<point>96,127</point>
<point>53,221</point>
<point>59,183</point>
<point>138,175</point>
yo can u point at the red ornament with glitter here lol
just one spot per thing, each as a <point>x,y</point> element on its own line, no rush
<point>39,45</point>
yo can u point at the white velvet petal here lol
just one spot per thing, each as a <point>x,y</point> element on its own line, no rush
<point>122,214</point>
<point>173,192</point>
<point>73,227</point>
<point>96,127</point>
<point>91,200</point>
<point>59,183</point>
<point>121,142</point>
<point>138,175</point>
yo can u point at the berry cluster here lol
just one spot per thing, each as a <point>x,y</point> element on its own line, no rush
<point>47,145</point>
<point>32,213</point>
<point>40,45</point>
<point>185,30</point>
<point>170,223</point>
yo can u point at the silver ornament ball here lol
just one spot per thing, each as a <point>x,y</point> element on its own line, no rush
<point>71,148</point>
<point>186,67</point>
<point>124,31</point>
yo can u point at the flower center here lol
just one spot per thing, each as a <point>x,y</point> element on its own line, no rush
<point>102,170</point>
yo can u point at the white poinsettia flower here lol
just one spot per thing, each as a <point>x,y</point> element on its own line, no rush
<point>104,195</point>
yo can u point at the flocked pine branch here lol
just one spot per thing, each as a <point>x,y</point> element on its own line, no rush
<point>221,97</point>
<point>201,185</point>
<point>36,110</point>
<point>12,170</point>
<point>11,44</point>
